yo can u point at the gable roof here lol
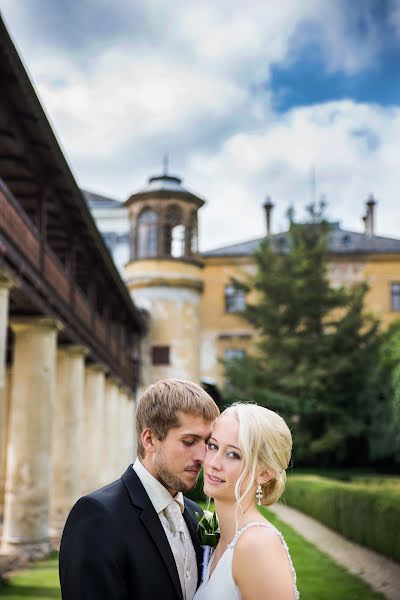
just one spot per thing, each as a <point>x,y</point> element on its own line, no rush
<point>342,241</point>
<point>98,201</point>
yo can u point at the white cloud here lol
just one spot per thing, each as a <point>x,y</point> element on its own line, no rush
<point>128,98</point>
<point>194,78</point>
<point>332,137</point>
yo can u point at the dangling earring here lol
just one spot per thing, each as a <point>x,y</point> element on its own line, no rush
<point>259,494</point>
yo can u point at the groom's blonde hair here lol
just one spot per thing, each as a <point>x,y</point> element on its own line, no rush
<point>266,445</point>
<point>160,403</point>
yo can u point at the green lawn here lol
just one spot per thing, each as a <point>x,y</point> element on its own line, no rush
<point>318,577</point>
<point>38,583</point>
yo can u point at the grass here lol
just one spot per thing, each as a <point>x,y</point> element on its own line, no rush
<point>318,577</point>
<point>40,582</point>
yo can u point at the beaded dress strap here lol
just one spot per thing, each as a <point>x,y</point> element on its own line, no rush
<point>233,543</point>
<point>278,533</point>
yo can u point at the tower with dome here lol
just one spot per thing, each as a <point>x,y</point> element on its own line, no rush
<point>164,275</point>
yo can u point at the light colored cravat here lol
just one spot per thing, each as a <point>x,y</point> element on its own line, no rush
<point>174,517</point>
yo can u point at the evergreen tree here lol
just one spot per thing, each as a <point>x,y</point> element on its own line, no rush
<point>383,399</point>
<point>315,346</point>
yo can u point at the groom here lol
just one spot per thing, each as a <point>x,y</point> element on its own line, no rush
<point>135,539</point>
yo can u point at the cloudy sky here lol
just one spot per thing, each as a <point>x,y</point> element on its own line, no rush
<point>248,99</point>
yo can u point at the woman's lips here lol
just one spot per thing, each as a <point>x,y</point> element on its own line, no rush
<point>214,480</point>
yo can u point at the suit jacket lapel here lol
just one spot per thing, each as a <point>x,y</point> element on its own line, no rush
<point>192,526</point>
<point>153,525</point>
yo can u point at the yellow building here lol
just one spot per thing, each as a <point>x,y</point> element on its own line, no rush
<point>355,257</point>
<point>194,311</point>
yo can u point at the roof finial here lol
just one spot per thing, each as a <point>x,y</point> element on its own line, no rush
<point>165,164</point>
<point>268,209</point>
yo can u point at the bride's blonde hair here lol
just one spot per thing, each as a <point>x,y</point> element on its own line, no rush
<point>266,445</point>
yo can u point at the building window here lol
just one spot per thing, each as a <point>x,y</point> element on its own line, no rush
<point>160,355</point>
<point>193,233</point>
<point>395,293</point>
<point>174,233</point>
<point>346,240</point>
<point>233,353</point>
<point>178,241</point>
<point>235,300</point>
<point>147,234</point>
<point>110,238</point>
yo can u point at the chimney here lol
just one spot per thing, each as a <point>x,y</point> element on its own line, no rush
<point>369,217</point>
<point>268,210</point>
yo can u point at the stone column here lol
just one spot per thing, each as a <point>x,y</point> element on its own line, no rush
<point>6,400</point>
<point>115,427</point>
<point>67,423</point>
<point>108,447</point>
<point>124,429</point>
<point>130,434</point>
<point>6,283</point>
<point>120,431</point>
<point>127,430</point>
<point>28,478</point>
<point>119,435</point>
<point>92,428</point>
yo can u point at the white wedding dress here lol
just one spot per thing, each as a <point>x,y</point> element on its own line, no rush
<point>221,585</point>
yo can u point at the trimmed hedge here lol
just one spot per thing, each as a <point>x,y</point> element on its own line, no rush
<point>368,514</point>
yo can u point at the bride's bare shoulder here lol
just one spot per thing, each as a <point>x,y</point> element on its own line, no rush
<point>260,565</point>
<point>258,538</point>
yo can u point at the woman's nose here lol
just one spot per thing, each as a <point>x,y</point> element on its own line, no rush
<point>213,460</point>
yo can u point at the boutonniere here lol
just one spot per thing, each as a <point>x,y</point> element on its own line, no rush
<point>209,534</point>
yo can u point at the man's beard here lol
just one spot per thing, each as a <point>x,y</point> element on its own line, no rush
<point>167,478</point>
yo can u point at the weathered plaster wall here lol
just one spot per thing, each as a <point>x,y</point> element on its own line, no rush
<point>221,331</point>
<point>175,322</point>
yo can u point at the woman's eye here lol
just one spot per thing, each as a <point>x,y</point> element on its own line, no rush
<point>211,446</point>
<point>234,455</point>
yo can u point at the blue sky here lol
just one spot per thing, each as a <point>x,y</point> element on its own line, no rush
<point>246,103</point>
<point>306,81</point>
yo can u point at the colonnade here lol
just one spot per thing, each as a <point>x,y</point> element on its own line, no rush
<point>66,428</point>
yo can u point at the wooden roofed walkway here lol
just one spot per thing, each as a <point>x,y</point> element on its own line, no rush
<point>69,330</point>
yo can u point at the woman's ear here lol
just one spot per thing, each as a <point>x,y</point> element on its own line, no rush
<point>264,477</point>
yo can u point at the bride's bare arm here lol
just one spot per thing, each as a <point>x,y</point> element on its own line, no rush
<point>261,567</point>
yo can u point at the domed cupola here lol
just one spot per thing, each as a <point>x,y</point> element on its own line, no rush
<point>165,276</point>
<point>163,217</point>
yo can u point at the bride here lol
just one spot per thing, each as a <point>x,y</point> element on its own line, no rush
<point>248,453</point>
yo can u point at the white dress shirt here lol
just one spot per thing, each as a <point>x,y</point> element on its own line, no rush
<point>183,550</point>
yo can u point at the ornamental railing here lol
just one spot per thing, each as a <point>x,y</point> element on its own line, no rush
<point>18,230</point>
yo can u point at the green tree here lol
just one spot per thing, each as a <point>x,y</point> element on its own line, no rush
<point>383,399</point>
<point>315,346</point>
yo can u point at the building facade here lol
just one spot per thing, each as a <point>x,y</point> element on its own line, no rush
<point>195,311</point>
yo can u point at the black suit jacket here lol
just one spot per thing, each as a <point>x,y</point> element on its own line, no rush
<point>114,547</point>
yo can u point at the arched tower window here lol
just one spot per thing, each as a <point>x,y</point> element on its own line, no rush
<point>177,241</point>
<point>174,233</point>
<point>147,234</point>
<point>192,234</point>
